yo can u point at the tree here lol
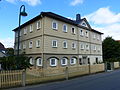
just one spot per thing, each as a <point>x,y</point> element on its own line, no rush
<point>111,50</point>
<point>15,62</point>
<point>10,51</point>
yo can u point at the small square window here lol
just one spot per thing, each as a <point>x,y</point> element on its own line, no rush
<point>73,61</point>
<point>64,61</point>
<point>53,62</point>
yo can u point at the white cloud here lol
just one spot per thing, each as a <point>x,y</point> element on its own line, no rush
<point>30,2</point>
<point>104,16</point>
<point>76,2</point>
<point>106,21</point>
<point>8,42</point>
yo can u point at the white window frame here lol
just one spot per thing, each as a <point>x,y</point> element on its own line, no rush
<point>31,28</point>
<point>38,26</point>
<point>38,61</point>
<point>55,64</point>
<point>64,25</point>
<point>73,47</point>
<point>31,61</point>
<point>25,31</point>
<point>94,36</point>
<point>55,28</point>
<point>24,45</point>
<point>65,43</point>
<point>98,37</point>
<point>72,31</point>
<point>87,47</point>
<point>74,61</point>
<point>30,44</point>
<point>53,43</point>
<point>81,33</point>
<point>38,43</point>
<point>94,47</point>
<point>82,47</point>
<point>65,61</point>
<point>99,49</point>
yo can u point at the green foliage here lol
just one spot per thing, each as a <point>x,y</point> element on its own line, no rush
<point>111,50</point>
<point>10,51</point>
<point>15,62</point>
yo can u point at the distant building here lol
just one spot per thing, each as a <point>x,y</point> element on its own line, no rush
<point>51,40</point>
<point>2,50</point>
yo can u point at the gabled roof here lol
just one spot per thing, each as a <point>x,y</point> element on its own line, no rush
<point>58,17</point>
<point>2,46</point>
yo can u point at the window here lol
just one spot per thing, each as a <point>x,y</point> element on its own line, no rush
<point>98,37</point>
<point>87,47</point>
<point>94,48</point>
<point>25,31</point>
<point>73,45</point>
<point>53,62</point>
<point>20,32</point>
<point>39,62</point>
<point>54,25</point>
<point>64,44</point>
<point>73,30</point>
<point>37,43</point>
<point>86,34</point>
<point>80,61</point>
<point>20,46</point>
<point>82,46</point>
<point>54,43</point>
<point>73,61</point>
<point>83,24</point>
<point>31,28</point>
<point>94,36</point>
<point>96,60</point>
<point>64,28</point>
<point>64,61</point>
<point>16,34</point>
<point>99,49</point>
<point>30,44</point>
<point>81,33</point>
<point>88,60</point>
<point>38,25</point>
<point>31,61</point>
<point>24,45</point>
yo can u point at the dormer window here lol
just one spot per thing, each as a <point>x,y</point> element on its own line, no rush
<point>84,24</point>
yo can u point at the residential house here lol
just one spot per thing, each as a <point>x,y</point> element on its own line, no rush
<point>2,50</point>
<point>51,40</point>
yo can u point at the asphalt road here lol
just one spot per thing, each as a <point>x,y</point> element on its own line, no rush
<point>101,81</point>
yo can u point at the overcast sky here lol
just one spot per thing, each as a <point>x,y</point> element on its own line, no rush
<point>103,15</point>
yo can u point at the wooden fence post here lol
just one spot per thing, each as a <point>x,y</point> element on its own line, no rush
<point>66,73</point>
<point>23,77</point>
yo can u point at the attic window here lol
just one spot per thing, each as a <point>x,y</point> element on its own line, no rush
<point>83,24</point>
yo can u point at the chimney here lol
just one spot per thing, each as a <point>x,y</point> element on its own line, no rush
<point>78,18</point>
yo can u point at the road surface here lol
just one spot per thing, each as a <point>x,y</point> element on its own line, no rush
<point>101,81</point>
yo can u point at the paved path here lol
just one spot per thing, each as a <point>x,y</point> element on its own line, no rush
<point>101,81</point>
